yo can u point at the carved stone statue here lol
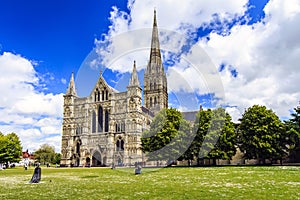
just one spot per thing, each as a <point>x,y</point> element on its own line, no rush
<point>36,177</point>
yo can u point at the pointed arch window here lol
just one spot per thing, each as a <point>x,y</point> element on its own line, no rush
<point>150,101</point>
<point>98,95</point>
<point>155,101</point>
<point>120,145</point>
<point>78,148</point>
<point>100,119</point>
<point>120,127</point>
<point>123,127</point>
<point>106,121</point>
<point>78,130</point>
<point>102,95</point>
<point>94,122</point>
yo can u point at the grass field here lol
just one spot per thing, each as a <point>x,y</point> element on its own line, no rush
<point>168,183</point>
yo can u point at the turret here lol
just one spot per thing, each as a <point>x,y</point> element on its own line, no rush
<point>71,89</point>
<point>134,91</point>
<point>68,126</point>
<point>68,118</point>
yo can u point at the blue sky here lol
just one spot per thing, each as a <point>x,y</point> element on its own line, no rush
<point>218,53</point>
<point>57,34</point>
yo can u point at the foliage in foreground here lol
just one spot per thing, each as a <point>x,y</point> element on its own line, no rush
<point>215,136</point>
<point>167,183</point>
<point>10,148</point>
<point>167,138</point>
<point>262,135</point>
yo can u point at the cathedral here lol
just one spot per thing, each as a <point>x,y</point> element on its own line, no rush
<point>105,128</point>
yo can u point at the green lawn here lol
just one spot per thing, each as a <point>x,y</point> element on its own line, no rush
<point>168,183</point>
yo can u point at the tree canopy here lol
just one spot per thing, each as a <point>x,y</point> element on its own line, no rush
<point>167,138</point>
<point>215,136</point>
<point>10,148</point>
<point>45,154</point>
<point>261,134</point>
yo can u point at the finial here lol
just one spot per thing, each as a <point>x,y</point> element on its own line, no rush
<point>100,72</point>
<point>154,21</point>
<point>201,108</point>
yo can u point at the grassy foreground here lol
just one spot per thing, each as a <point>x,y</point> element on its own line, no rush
<point>168,183</point>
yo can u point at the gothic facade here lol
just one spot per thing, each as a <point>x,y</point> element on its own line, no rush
<point>105,128</point>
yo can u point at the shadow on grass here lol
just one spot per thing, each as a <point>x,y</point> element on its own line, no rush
<point>87,177</point>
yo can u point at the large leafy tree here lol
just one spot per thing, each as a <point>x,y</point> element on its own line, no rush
<point>167,137</point>
<point>225,147</point>
<point>261,134</point>
<point>200,128</point>
<point>293,135</point>
<point>10,148</point>
<point>215,136</point>
<point>45,154</point>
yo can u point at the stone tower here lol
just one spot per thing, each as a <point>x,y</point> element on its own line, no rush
<point>69,127</point>
<point>155,81</point>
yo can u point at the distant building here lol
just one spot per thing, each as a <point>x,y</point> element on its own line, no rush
<point>27,158</point>
<point>105,128</point>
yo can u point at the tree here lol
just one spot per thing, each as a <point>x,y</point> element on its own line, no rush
<point>200,128</point>
<point>57,158</point>
<point>10,148</point>
<point>293,135</point>
<point>225,147</point>
<point>166,139</point>
<point>215,136</point>
<point>45,154</point>
<point>261,134</point>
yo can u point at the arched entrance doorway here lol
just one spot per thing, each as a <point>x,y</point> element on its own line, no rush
<point>88,162</point>
<point>119,161</point>
<point>96,159</point>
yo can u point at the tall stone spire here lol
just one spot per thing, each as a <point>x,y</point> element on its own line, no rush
<point>71,89</point>
<point>155,55</point>
<point>134,80</point>
<point>155,81</point>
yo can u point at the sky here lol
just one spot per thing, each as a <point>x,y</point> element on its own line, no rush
<point>225,53</point>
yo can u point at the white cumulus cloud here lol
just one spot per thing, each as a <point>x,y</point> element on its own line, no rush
<point>266,58</point>
<point>32,114</point>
